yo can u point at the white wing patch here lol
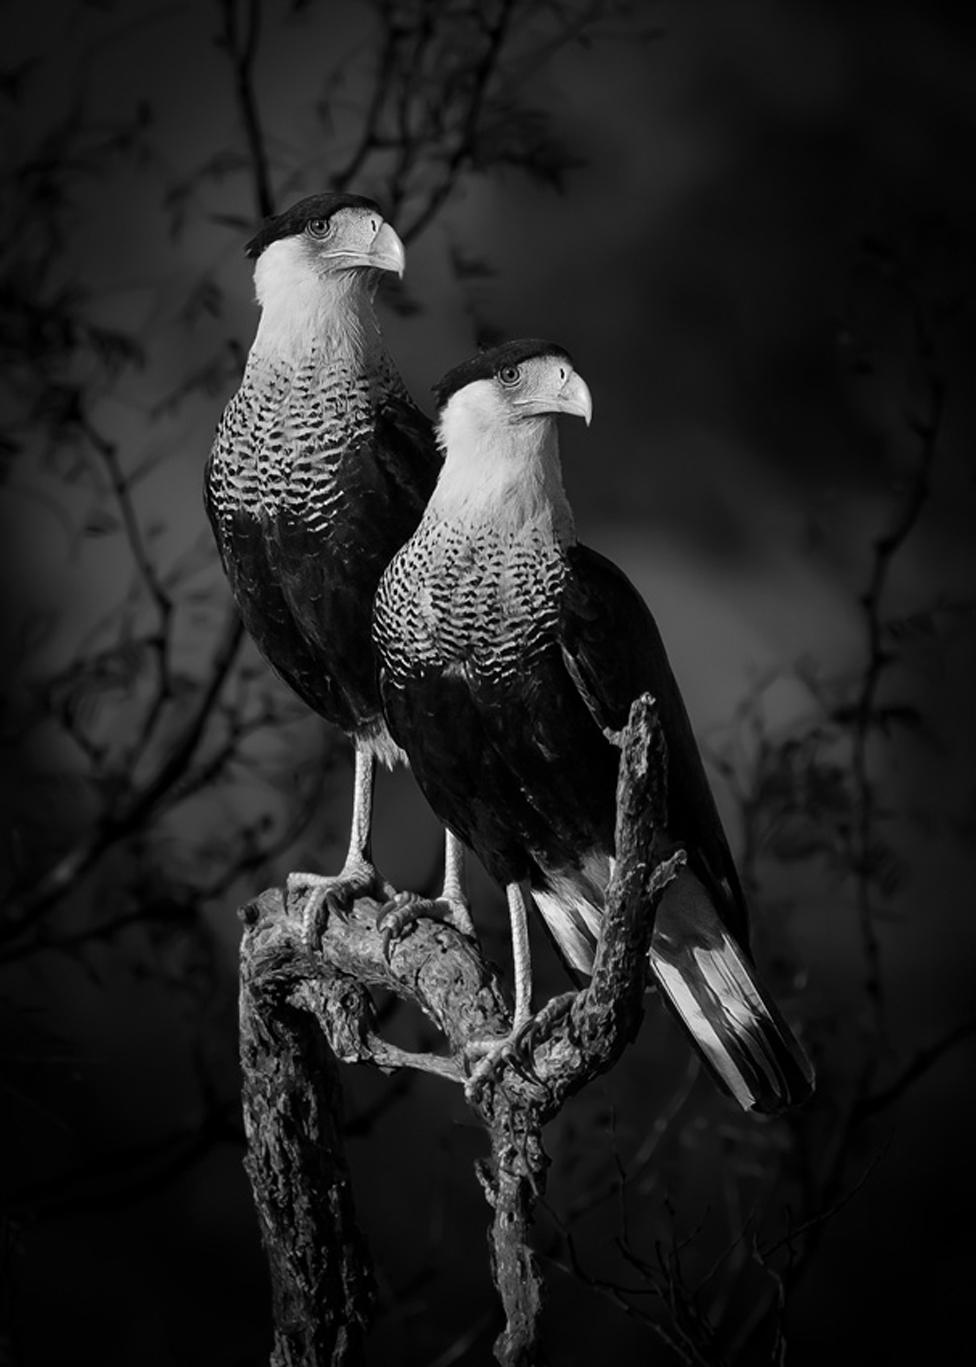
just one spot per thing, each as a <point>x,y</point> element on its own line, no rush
<point>569,929</point>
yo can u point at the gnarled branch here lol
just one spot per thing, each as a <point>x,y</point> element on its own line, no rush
<point>301,1012</point>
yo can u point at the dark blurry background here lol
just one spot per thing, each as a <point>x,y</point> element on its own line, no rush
<point>752,225</point>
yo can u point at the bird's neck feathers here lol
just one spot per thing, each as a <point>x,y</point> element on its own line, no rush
<point>505,475</point>
<point>307,312</point>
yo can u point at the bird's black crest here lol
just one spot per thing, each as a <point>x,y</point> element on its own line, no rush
<point>293,220</point>
<point>488,363</point>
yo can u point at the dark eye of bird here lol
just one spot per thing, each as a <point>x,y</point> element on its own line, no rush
<point>318,227</point>
<point>510,374</point>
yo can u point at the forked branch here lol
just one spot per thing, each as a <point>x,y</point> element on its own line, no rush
<point>300,1012</point>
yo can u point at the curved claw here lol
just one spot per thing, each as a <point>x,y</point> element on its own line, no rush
<point>331,894</point>
<point>404,909</point>
<point>320,905</point>
<point>401,911</point>
<point>539,1027</point>
<point>516,1050</point>
<point>514,1056</point>
<point>497,1055</point>
<point>488,1066</point>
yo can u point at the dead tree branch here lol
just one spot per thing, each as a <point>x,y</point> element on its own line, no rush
<point>293,1003</point>
<point>321,1280</point>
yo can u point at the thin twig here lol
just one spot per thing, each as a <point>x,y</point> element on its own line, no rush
<point>242,50</point>
<point>466,142</point>
<point>923,1062</point>
<point>117,826</point>
<point>886,547</point>
<point>382,80</point>
<point>159,641</point>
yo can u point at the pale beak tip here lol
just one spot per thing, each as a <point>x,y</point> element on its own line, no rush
<point>388,251</point>
<point>584,399</point>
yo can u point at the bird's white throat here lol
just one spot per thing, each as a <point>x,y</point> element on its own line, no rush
<point>507,474</point>
<point>306,308</point>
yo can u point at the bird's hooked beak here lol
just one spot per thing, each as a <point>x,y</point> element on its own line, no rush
<point>386,252</point>
<point>564,392</point>
<point>575,398</point>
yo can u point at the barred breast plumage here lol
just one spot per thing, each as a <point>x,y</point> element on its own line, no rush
<point>460,592</point>
<point>467,625</point>
<point>318,474</point>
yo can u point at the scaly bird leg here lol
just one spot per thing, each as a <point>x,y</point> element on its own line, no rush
<point>495,1052</point>
<point>451,907</point>
<point>358,877</point>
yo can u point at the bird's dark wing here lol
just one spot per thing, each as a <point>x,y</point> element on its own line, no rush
<point>613,651</point>
<point>336,534</point>
<point>328,545</point>
<point>407,435</point>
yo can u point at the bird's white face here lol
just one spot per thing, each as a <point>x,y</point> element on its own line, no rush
<point>327,250</point>
<point>540,387</point>
<point>501,452</point>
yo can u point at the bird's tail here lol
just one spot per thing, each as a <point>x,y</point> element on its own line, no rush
<point>705,978</point>
<point>710,985</point>
<point>571,904</point>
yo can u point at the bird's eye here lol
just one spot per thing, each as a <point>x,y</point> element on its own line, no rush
<point>510,374</point>
<point>318,227</point>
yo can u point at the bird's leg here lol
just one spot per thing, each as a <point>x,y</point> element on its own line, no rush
<point>518,899</point>
<point>358,876</point>
<point>539,1027</point>
<point>451,906</point>
<point>453,891</point>
<point>496,1052</point>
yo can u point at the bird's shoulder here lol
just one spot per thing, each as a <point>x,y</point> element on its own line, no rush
<point>405,441</point>
<point>609,638</point>
<point>596,587</point>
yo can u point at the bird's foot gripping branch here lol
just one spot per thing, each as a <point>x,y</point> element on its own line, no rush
<point>299,1015</point>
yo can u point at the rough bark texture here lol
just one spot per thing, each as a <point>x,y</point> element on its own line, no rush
<point>321,1281</point>
<point>299,1013</point>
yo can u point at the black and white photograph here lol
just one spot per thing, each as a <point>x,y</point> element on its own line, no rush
<point>487,744</point>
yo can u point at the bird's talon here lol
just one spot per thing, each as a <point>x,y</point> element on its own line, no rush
<point>396,915</point>
<point>321,896</point>
<point>392,906</point>
<point>404,909</point>
<point>388,939</point>
<point>496,1055</point>
<point>517,1050</point>
<point>519,1063</point>
<point>339,901</point>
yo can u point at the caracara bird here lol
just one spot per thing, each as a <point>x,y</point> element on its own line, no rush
<point>509,658</point>
<point>319,472</point>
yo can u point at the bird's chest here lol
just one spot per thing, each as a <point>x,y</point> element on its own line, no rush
<point>284,441</point>
<point>476,597</point>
